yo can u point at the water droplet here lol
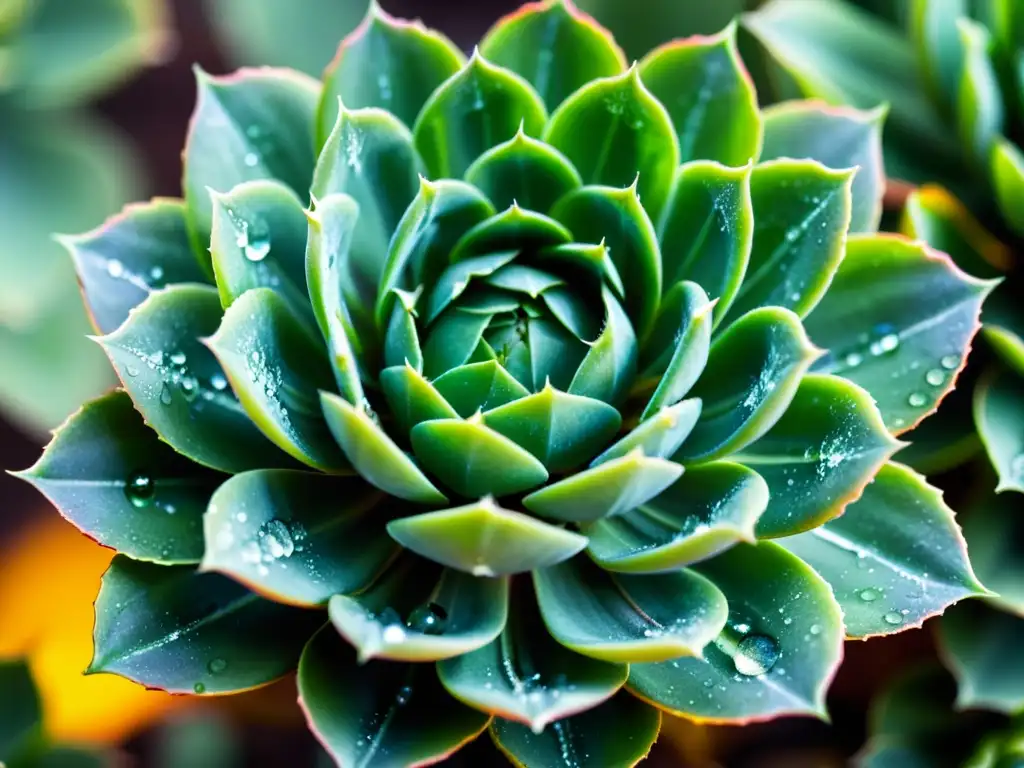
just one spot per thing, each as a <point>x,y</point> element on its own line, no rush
<point>950,362</point>
<point>140,489</point>
<point>430,619</point>
<point>815,629</point>
<point>199,688</point>
<point>917,400</point>
<point>935,377</point>
<point>251,159</point>
<point>854,359</point>
<point>131,370</point>
<point>275,540</point>
<point>869,595</point>
<point>165,394</point>
<point>393,634</point>
<point>755,655</point>
<point>893,617</point>
<point>218,382</point>
<point>253,131</point>
<point>177,358</point>
<point>156,273</point>
<point>115,268</point>
<point>257,244</point>
<point>403,695</point>
<point>216,666</point>
<point>189,388</point>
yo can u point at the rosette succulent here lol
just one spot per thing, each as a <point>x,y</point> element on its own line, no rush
<point>493,392</point>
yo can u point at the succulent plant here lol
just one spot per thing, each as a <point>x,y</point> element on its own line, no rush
<point>516,365</point>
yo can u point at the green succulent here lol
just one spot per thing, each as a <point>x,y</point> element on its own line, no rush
<point>493,393</point>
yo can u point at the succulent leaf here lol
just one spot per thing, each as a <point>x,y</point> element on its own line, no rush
<point>979,646</point>
<point>999,415</point>
<point>993,531</point>
<point>1007,168</point>
<point>979,103</point>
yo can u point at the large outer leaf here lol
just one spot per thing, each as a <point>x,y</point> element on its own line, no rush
<point>791,606</point>
<point>112,477</point>
<point>819,456</point>
<point>999,416</point>
<point>555,47</point>
<point>904,338</point>
<point>168,627</point>
<point>297,537</point>
<point>838,137</point>
<point>255,124</point>
<point>994,530</point>
<point>177,384</point>
<point>379,713</point>
<point>709,96</point>
<point>895,558</point>
<point>981,646</point>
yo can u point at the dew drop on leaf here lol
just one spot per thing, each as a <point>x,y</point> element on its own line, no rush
<point>950,362</point>
<point>115,269</point>
<point>893,617</point>
<point>429,618</point>
<point>916,400</point>
<point>216,666</point>
<point>869,595</point>
<point>165,394</point>
<point>199,688</point>
<point>755,655</point>
<point>935,377</point>
<point>177,358</point>
<point>218,382</point>
<point>140,489</point>
<point>275,540</point>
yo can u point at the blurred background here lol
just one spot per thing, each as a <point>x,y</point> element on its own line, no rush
<point>95,97</point>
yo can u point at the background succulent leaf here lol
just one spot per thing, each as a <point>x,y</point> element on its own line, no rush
<point>379,711</point>
<point>111,476</point>
<point>752,374</point>
<point>706,231</point>
<point>255,124</point>
<point>999,415</point>
<point>141,250</point>
<point>894,558</point>
<point>185,632</point>
<point>477,108</point>
<point>486,540</point>
<point>932,26</point>
<point>619,733</point>
<point>628,618</point>
<point>707,510</point>
<point>836,137</point>
<point>912,351</point>
<point>994,530</point>
<point>1007,171</point>
<point>801,217</point>
<point>979,646</point>
<point>709,96</point>
<point>297,537</point>
<point>22,709</point>
<point>386,63</point>
<point>819,455</point>
<point>615,132</point>
<point>555,47</point>
<point>276,368</point>
<point>179,387</point>
<point>761,665</point>
<point>979,103</point>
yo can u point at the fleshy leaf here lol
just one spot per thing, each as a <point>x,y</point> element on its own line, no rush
<point>477,108</point>
<point>112,477</point>
<point>628,618</point>
<point>555,47</point>
<point>819,455</point>
<point>1007,170</point>
<point>486,540</point>
<point>523,170</point>
<point>456,278</point>
<point>994,530</point>
<point>255,124</point>
<point>387,63</point>
<point>752,374</point>
<point>782,644</point>
<point>894,558</point>
<point>707,230</point>
<point>297,537</point>
<point>140,250</point>
<point>22,709</point>
<point>412,398</point>
<point>905,352</point>
<point>659,435</point>
<point>709,96</point>
<point>402,338</point>
<point>474,460</point>
<point>932,26</point>
<point>615,132</point>
<point>379,713</point>
<point>608,369</point>
<point>276,367</point>
<point>979,101</point>
<point>706,511</point>
<point>837,137</point>
<point>619,732</point>
<point>452,339</point>
<point>374,455</point>
<point>178,385</point>
<point>479,387</point>
<point>981,646</point>
<point>801,216</point>
<point>526,676</point>
<point>999,416</point>
<point>417,611</point>
<point>171,628</point>
<point>610,488</point>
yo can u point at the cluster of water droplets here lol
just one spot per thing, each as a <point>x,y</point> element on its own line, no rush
<point>252,235</point>
<point>117,270</point>
<point>263,373</point>
<point>275,541</point>
<point>429,618</point>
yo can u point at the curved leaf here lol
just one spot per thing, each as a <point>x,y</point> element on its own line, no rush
<point>628,618</point>
<point>777,655</point>
<point>177,385</point>
<point>994,530</point>
<point>706,511</point>
<point>140,250</point>
<point>477,108</point>
<point>615,132</point>
<point>276,367</point>
<point>707,230</point>
<point>819,455</point>
<point>837,137</point>
<point>999,416</point>
<point>752,374</point>
<point>254,124</point>
<point>1007,170</point>
<point>486,540</point>
<point>453,282</point>
<point>379,713</point>
<point>905,338</point>
<point>412,398</point>
<point>557,48</point>
<point>114,480</point>
<point>932,27</point>
<point>386,63</point>
<point>979,100</point>
<point>894,558</point>
<point>659,435</point>
<point>981,646</point>
<point>479,387</point>
<point>801,216</point>
<point>709,96</point>
<point>297,537</point>
<point>171,628</point>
